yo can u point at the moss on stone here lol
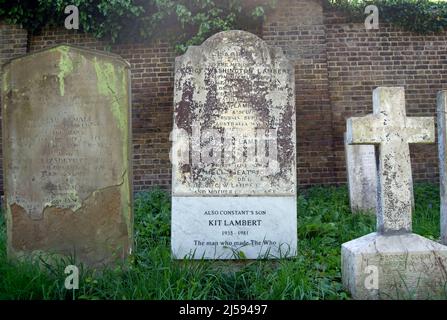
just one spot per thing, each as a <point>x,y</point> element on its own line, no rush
<point>5,82</point>
<point>112,82</point>
<point>65,67</point>
<point>108,85</point>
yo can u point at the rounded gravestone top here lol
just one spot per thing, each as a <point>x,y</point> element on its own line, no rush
<point>247,44</point>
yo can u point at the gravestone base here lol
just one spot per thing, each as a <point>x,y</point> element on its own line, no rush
<point>233,227</point>
<point>407,266</point>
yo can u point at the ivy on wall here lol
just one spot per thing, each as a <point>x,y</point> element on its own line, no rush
<point>185,22</point>
<point>190,22</point>
<point>420,16</point>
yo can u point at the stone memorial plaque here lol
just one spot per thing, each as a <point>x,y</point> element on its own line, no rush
<point>66,147</point>
<point>362,177</point>
<point>234,166</point>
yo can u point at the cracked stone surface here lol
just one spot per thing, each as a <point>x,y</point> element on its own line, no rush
<point>66,154</point>
<point>232,197</point>
<point>408,267</point>
<point>442,152</point>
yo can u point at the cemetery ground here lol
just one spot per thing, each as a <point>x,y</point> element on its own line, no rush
<point>324,223</point>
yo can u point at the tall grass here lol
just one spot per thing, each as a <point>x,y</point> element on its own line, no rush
<point>324,223</point>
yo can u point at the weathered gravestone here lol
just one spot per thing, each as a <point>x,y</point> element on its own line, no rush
<point>362,177</point>
<point>393,262</point>
<point>234,167</point>
<point>67,155</point>
<point>442,151</point>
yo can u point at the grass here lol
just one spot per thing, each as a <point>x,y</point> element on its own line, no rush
<point>324,223</point>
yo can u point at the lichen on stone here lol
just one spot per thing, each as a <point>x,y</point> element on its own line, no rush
<point>108,85</point>
<point>65,67</point>
<point>112,82</point>
<point>5,82</point>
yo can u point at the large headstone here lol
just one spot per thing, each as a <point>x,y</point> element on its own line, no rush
<point>362,177</point>
<point>393,262</point>
<point>442,151</point>
<point>67,155</point>
<point>234,166</point>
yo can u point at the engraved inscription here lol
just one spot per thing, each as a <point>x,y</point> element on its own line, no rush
<point>234,111</point>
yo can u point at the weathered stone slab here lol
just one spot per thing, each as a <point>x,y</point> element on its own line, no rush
<point>66,114</point>
<point>234,137</point>
<point>393,263</point>
<point>361,171</point>
<point>403,266</point>
<point>442,152</point>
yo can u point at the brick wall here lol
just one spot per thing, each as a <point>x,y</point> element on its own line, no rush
<point>297,27</point>
<point>360,60</point>
<point>337,66</point>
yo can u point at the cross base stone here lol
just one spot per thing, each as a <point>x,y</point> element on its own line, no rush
<point>400,266</point>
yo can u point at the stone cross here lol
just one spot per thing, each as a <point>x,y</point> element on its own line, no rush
<point>390,129</point>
